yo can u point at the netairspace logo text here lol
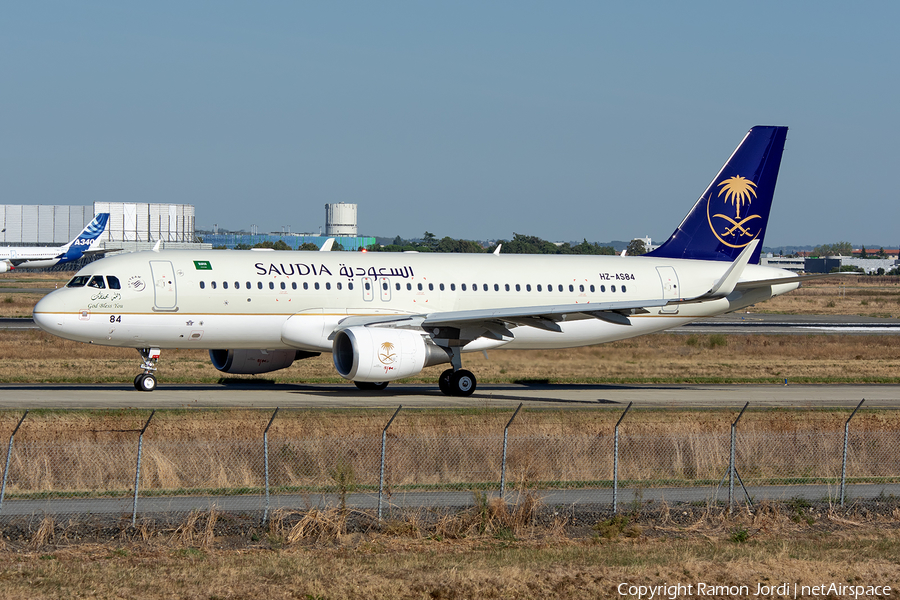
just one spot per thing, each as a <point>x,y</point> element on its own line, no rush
<point>781,590</point>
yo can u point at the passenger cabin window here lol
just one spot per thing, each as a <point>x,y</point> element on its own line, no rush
<point>408,286</point>
<point>397,286</point>
<point>430,287</point>
<point>113,282</point>
<point>317,285</point>
<point>560,287</point>
<point>78,281</point>
<point>623,289</point>
<point>248,285</point>
<point>259,284</point>
<point>349,285</point>
<point>293,285</point>
<point>441,286</point>
<point>271,285</point>
<point>97,282</point>
<point>452,287</point>
<point>497,288</point>
<point>420,287</point>
<point>539,287</point>
<point>528,287</point>
<point>518,288</point>
<point>224,285</point>
<point>237,285</point>
<point>283,286</point>
<point>202,285</point>
<point>463,287</point>
<point>328,285</point>
<point>212,284</point>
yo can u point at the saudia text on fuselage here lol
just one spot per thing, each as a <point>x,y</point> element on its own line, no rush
<point>344,271</point>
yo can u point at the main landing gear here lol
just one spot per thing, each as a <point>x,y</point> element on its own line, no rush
<point>146,381</point>
<point>457,381</point>
<point>453,382</point>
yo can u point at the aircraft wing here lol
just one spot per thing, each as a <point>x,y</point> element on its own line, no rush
<point>496,322</point>
<point>743,285</point>
<point>102,251</point>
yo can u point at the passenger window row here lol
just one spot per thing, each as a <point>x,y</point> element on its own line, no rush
<point>409,286</point>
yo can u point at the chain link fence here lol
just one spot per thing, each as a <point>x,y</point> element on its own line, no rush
<point>443,460</point>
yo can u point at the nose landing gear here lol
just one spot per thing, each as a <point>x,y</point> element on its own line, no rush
<point>146,381</point>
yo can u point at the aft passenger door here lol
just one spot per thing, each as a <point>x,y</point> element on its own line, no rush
<point>164,292</point>
<point>669,280</point>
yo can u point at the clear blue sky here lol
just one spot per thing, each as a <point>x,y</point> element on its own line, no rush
<point>565,120</point>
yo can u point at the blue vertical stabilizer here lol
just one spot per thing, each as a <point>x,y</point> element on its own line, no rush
<point>734,209</point>
<point>76,247</point>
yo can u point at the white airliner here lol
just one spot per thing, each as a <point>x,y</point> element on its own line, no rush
<point>35,257</point>
<point>386,316</point>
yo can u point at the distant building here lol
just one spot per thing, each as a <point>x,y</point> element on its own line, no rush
<point>340,220</point>
<point>795,264</point>
<point>132,225</point>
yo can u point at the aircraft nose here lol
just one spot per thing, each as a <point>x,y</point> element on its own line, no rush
<point>46,316</point>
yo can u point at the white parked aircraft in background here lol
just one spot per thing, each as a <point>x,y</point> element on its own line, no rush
<point>35,257</point>
<point>385,316</point>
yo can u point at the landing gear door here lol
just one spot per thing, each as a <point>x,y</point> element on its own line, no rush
<point>670,291</point>
<point>164,292</point>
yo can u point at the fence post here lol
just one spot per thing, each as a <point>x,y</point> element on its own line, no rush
<point>503,458</point>
<point>616,461</point>
<point>137,471</point>
<point>731,467</point>
<point>8,454</point>
<point>844,459</point>
<point>381,475</point>
<point>266,463</point>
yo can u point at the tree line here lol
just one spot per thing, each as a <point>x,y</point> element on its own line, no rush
<point>520,244</point>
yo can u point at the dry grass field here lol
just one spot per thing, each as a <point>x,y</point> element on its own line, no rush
<point>35,356</point>
<point>497,551</point>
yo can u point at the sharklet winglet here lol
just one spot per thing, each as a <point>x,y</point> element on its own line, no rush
<point>729,280</point>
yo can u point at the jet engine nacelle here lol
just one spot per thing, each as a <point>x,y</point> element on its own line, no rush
<point>378,354</point>
<point>4,266</point>
<point>251,362</point>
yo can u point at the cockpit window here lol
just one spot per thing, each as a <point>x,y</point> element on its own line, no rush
<point>97,282</point>
<point>113,282</point>
<point>78,281</point>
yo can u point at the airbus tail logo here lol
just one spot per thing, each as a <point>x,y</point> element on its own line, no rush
<point>96,227</point>
<point>736,231</point>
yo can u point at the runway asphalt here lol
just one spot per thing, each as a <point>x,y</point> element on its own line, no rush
<point>496,396</point>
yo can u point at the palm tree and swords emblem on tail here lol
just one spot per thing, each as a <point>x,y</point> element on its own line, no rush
<point>736,233</point>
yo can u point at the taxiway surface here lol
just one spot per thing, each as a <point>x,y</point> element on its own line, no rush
<point>544,396</point>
